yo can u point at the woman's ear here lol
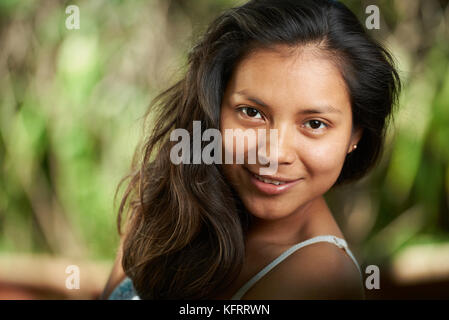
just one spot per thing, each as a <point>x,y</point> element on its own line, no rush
<point>355,138</point>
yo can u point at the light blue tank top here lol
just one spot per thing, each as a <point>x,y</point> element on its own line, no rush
<point>125,290</point>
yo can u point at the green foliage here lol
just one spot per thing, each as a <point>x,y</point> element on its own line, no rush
<point>71,103</point>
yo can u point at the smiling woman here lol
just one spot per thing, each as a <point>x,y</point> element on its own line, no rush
<point>299,91</point>
<point>196,231</point>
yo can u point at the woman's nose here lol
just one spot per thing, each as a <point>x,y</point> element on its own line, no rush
<point>286,148</point>
<point>281,145</point>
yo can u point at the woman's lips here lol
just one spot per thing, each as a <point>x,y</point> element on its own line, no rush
<point>270,188</point>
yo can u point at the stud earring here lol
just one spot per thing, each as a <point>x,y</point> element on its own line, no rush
<point>354,146</point>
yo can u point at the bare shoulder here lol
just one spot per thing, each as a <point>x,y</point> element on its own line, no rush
<point>318,271</point>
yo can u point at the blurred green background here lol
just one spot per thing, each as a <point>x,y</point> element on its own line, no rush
<point>71,107</point>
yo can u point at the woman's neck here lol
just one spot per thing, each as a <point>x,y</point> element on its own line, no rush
<point>292,229</point>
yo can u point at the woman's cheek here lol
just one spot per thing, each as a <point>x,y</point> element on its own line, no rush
<point>325,159</point>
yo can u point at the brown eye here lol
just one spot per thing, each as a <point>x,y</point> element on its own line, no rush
<point>315,124</point>
<point>251,112</point>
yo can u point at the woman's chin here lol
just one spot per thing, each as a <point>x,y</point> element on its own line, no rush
<point>267,209</point>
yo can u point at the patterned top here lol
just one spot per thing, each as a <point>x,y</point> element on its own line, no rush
<point>124,291</point>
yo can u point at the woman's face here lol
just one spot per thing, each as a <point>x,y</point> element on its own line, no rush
<point>304,97</point>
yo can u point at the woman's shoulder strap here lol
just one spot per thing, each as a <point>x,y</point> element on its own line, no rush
<point>341,243</point>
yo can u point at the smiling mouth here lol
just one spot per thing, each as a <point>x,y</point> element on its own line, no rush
<point>272,179</point>
<point>275,182</point>
<point>273,185</point>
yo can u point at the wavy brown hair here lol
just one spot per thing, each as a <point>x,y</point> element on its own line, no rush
<point>186,226</point>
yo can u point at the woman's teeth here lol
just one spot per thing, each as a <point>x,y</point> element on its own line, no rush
<point>277,183</point>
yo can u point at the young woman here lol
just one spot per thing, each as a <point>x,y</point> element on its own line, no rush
<point>305,68</point>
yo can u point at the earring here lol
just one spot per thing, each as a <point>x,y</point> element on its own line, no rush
<point>353,148</point>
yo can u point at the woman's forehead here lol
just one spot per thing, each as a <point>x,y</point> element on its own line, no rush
<point>306,77</point>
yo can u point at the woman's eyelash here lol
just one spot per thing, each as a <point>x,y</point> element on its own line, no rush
<point>249,111</point>
<point>316,122</point>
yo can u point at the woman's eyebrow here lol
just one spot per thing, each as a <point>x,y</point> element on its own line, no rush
<point>320,109</point>
<point>253,99</point>
<point>309,110</point>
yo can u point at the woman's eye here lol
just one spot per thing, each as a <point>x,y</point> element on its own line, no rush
<point>315,124</point>
<point>251,112</point>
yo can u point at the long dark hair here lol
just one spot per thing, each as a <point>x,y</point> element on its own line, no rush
<point>186,226</point>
